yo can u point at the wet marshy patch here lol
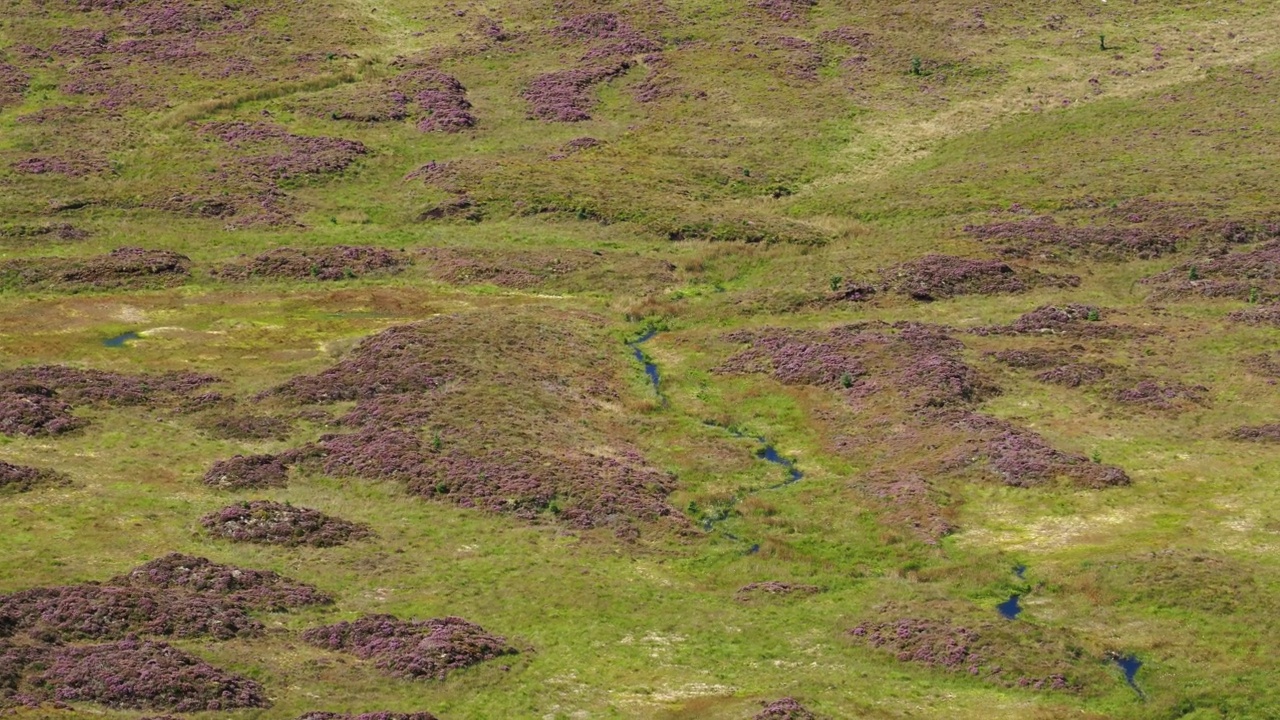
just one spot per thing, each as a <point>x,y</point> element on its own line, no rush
<point>121,340</point>
<point>650,368</point>
<point>412,649</point>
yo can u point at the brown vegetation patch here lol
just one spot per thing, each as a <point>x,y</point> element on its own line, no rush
<point>273,523</point>
<point>1264,316</point>
<point>1252,275</point>
<point>125,268</point>
<point>937,277</point>
<point>412,649</point>
<point>20,478</point>
<point>339,262</point>
<point>1269,433</point>
<point>786,708</point>
<point>775,588</point>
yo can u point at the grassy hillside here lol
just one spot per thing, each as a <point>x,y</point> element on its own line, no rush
<point>700,354</point>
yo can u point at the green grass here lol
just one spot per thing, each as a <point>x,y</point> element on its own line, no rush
<point>879,166</point>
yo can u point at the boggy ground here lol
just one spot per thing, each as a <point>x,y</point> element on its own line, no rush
<point>999,290</point>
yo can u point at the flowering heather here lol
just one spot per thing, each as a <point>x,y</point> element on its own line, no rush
<point>1155,395</point>
<point>261,590</point>
<point>575,145</point>
<point>566,95</point>
<point>1012,655</point>
<point>412,649</point>
<point>1023,458</point>
<point>801,58</point>
<point>607,35</point>
<point>13,84</point>
<point>80,43</point>
<point>70,166</point>
<point>774,587</point>
<point>918,361</point>
<point>441,100</point>
<point>786,10</point>
<point>1072,318</point>
<point>659,83</point>
<point>33,410</point>
<point>243,472</point>
<point>234,426</point>
<point>786,708</point>
<point>1075,374</point>
<point>78,386</point>
<point>338,262</point>
<point>128,267</point>
<point>1044,237</point>
<point>905,499</point>
<point>847,36</point>
<point>53,231</point>
<point>397,360</point>
<point>20,478</point>
<point>368,716</point>
<point>1269,433</point>
<point>272,523</point>
<point>937,277</point>
<point>1033,359</point>
<point>1244,276</point>
<point>105,612</point>
<point>279,155</point>
<point>1266,315</point>
<point>140,674</point>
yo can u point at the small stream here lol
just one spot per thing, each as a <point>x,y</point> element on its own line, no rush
<point>650,368</point>
<point>119,340</point>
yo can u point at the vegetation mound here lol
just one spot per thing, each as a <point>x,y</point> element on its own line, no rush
<point>245,426</point>
<point>937,277</point>
<point>368,716</point>
<point>775,588</point>
<point>786,708</point>
<point>244,472</point>
<point>20,478</point>
<point>1250,275</point>
<point>272,523</point>
<point>412,649</point>
<point>124,268</point>
<point>340,262</point>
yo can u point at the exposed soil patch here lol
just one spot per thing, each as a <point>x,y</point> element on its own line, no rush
<point>567,95</point>
<point>412,649</point>
<point>125,268</point>
<point>20,478</point>
<point>786,708</point>
<point>775,588</point>
<point>243,426</point>
<point>937,277</point>
<point>273,523</point>
<point>339,262</point>
<point>1252,275</point>
<point>243,472</point>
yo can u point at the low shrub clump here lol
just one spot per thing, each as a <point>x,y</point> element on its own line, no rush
<point>20,478</point>
<point>1022,458</point>
<point>937,277</point>
<point>368,716</point>
<point>233,426</point>
<point>786,708</point>
<point>242,472</point>
<point>142,674</point>
<point>1157,395</point>
<point>339,262</point>
<point>1252,275</point>
<point>1072,318</point>
<point>34,410</point>
<point>566,95</point>
<point>79,386</point>
<point>124,268</point>
<point>1269,433</point>
<point>776,588</point>
<point>412,649</point>
<point>262,590</point>
<point>272,523</point>
<point>1044,237</point>
<point>107,612</point>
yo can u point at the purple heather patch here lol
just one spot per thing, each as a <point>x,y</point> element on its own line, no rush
<point>412,649</point>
